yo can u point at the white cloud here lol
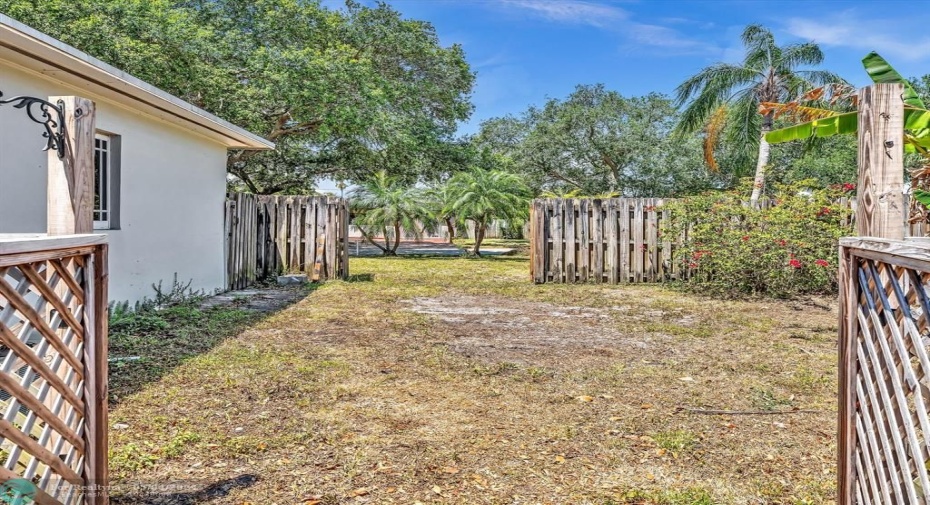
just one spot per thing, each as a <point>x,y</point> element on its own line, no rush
<point>661,36</point>
<point>615,19</point>
<point>572,11</point>
<point>847,29</point>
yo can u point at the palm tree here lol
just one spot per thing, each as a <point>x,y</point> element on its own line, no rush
<point>385,204</point>
<point>768,73</point>
<point>481,196</point>
<point>440,200</point>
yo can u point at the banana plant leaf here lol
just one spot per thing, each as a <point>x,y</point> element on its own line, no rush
<point>825,127</point>
<point>882,72</point>
<point>922,197</point>
<point>917,121</point>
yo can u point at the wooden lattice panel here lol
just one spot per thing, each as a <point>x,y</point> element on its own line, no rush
<point>884,367</point>
<point>42,375</point>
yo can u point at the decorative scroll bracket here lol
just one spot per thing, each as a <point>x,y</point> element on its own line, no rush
<point>50,116</point>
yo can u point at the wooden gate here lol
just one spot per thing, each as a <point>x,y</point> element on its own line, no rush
<point>884,437</point>
<point>613,240</point>
<point>53,366</point>
<point>267,235</point>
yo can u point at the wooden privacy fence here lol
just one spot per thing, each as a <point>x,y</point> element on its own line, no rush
<point>884,425</point>
<point>268,235</point>
<point>53,366</point>
<point>615,240</point>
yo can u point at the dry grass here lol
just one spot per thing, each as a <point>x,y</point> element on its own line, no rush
<point>458,381</point>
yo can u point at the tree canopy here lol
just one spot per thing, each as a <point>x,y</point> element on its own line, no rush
<point>343,93</point>
<point>597,141</point>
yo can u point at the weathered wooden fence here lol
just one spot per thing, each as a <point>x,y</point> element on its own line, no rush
<point>884,436</point>
<point>616,240</point>
<point>613,240</point>
<point>53,366</point>
<point>268,235</point>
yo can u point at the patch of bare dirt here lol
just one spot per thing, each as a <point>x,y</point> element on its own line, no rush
<point>496,329</point>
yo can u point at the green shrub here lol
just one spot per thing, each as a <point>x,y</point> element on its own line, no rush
<point>784,250</point>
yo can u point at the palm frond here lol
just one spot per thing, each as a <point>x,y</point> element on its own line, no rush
<point>712,134</point>
<point>794,55</point>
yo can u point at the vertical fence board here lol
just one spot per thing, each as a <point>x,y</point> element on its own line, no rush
<point>539,239</point>
<point>331,242</point>
<point>611,263</point>
<point>344,234</point>
<point>638,238</point>
<point>652,240</point>
<point>597,212</point>
<point>665,260</point>
<point>259,233</point>
<point>624,241</point>
<point>558,241</point>
<point>584,240</point>
<point>321,227</point>
<point>571,242</point>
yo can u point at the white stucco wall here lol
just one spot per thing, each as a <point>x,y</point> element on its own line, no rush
<point>173,184</point>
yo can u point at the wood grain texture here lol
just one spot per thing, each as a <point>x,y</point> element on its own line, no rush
<point>880,203</point>
<point>96,385</point>
<point>70,200</point>
<point>847,379</point>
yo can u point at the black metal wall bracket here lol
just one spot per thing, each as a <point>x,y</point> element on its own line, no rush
<point>49,115</point>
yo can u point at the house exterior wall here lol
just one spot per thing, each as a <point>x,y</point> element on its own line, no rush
<point>172,191</point>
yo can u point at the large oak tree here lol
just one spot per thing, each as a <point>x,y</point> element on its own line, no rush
<point>343,93</point>
<point>595,142</point>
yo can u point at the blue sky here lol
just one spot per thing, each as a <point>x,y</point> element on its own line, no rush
<point>527,50</point>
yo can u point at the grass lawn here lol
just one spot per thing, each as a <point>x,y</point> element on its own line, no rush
<point>456,380</point>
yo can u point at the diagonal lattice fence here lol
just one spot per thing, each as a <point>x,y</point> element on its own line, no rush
<point>884,425</point>
<point>52,338</point>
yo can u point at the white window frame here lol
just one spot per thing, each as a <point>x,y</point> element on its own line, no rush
<point>102,222</point>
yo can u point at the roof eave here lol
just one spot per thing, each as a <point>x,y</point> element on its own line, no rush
<point>41,53</point>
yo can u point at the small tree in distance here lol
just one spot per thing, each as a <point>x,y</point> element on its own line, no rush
<point>482,196</point>
<point>387,205</point>
<point>440,202</point>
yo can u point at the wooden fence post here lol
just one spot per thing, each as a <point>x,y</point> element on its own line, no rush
<point>96,390</point>
<point>71,178</point>
<point>880,203</point>
<point>848,371</point>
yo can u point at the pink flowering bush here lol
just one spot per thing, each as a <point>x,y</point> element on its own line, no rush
<point>787,249</point>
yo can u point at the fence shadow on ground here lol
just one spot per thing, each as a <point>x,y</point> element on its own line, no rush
<point>150,494</point>
<point>145,346</point>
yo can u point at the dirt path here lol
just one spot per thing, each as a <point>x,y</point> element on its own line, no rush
<point>457,381</point>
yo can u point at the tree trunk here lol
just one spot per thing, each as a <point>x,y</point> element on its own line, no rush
<point>479,237</point>
<point>450,226</point>
<point>372,241</point>
<point>764,150</point>
<point>396,238</point>
<point>388,251</point>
